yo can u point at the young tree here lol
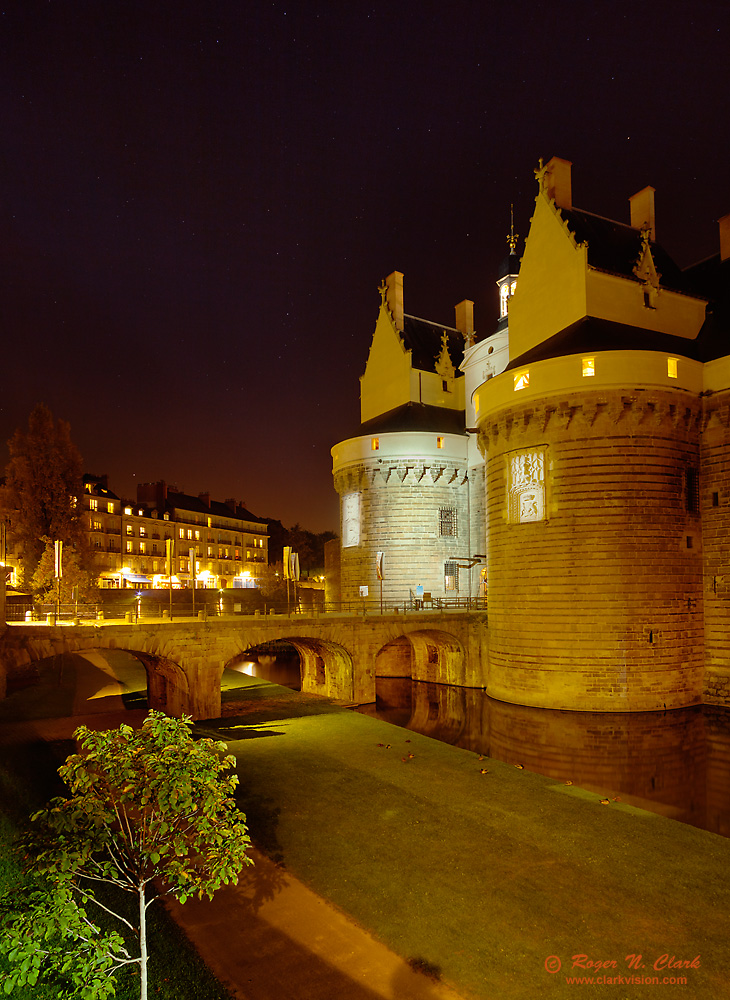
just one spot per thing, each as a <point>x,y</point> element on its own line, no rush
<point>145,805</point>
<point>43,481</point>
<point>76,581</point>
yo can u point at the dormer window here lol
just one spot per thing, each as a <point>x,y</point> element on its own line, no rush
<point>672,367</point>
<point>588,367</point>
<point>503,299</point>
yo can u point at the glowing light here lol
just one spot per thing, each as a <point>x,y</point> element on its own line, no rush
<point>375,444</point>
<point>672,367</point>
<point>522,380</point>
<point>439,442</point>
<point>589,367</point>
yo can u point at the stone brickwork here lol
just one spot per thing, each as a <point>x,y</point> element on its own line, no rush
<point>595,552</point>
<point>400,515</point>
<point>715,505</point>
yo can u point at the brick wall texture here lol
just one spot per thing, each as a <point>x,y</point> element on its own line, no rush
<point>599,605</point>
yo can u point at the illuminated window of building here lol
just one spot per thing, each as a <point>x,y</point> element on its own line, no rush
<point>512,287</point>
<point>503,299</point>
<point>127,510</point>
<point>451,576</point>
<point>522,380</point>
<point>210,550</point>
<point>526,475</point>
<point>142,531</point>
<point>375,444</point>
<point>110,507</point>
<point>143,547</point>
<point>97,526</point>
<point>88,487</point>
<point>190,533</point>
<point>210,522</point>
<point>589,367</point>
<point>439,442</point>
<point>94,503</point>
<point>672,367</point>
<point>166,517</point>
<point>197,536</point>
<point>130,546</point>
<point>130,529</point>
<point>350,519</point>
<point>182,532</point>
<point>447,521</point>
<point>248,553</point>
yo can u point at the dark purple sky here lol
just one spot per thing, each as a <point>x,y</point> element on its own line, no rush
<point>199,199</point>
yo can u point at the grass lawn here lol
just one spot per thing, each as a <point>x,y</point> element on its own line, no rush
<point>479,876</point>
<point>27,780</point>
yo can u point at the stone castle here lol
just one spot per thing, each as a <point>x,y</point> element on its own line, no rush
<point>574,465</point>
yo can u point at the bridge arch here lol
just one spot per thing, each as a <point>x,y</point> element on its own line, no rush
<point>423,655</point>
<point>326,667</point>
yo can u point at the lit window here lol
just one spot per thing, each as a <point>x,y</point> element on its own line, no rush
<point>94,503</point>
<point>439,442</point>
<point>110,507</point>
<point>672,367</point>
<point>447,521</point>
<point>210,550</point>
<point>589,367</point>
<point>512,288</point>
<point>140,512</point>
<point>142,531</point>
<point>375,444</point>
<point>97,526</point>
<point>166,517</point>
<point>503,299</point>
<point>197,536</point>
<point>130,545</point>
<point>143,547</point>
<point>127,510</point>
<point>182,532</point>
<point>130,529</point>
<point>155,565</point>
<point>522,380</point>
<point>190,533</point>
<point>210,522</point>
<point>451,576</point>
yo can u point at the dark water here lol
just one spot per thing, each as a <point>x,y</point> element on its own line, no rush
<point>674,763</point>
<point>282,669</point>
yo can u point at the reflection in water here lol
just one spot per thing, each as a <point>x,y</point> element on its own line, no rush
<point>280,669</point>
<point>674,763</point>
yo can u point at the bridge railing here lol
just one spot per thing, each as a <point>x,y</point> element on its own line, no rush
<point>134,611</point>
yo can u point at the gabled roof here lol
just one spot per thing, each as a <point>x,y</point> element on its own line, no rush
<point>615,247</point>
<point>416,417</point>
<point>423,338</point>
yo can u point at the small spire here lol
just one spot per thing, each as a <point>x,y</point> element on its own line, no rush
<point>513,236</point>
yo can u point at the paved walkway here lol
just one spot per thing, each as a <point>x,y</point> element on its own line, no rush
<point>270,938</point>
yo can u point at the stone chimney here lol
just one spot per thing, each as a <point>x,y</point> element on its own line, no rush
<point>152,494</point>
<point>465,319</point>
<point>204,498</point>
<point>724,224</point>
<point>558,184</point>
<point>642,211</point>
<point>394,297</point>
<point>231,504</point>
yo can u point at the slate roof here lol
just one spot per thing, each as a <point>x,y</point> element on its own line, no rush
<point>416,417</point>
<point>423,338</point>
<point>185,501</point>
<point>615,247</point>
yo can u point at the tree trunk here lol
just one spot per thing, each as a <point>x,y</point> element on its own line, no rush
<point>142,945</point>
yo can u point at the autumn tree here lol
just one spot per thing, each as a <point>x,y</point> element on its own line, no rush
<point>150,812</point>
<point>77,582</point>
<point>43,481</point>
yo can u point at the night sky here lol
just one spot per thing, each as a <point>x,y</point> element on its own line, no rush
<point>199,200</point>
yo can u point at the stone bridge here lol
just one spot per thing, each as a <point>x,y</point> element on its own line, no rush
<point>340,655</point>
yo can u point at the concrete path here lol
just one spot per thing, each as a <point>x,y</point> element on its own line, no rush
<point>270,938</point>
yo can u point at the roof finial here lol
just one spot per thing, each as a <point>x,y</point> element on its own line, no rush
<point>513,236</point>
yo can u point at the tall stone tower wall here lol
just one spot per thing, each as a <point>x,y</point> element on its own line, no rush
<point>715,499</point>
<point>595,551</point>
<point>400,506</point>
